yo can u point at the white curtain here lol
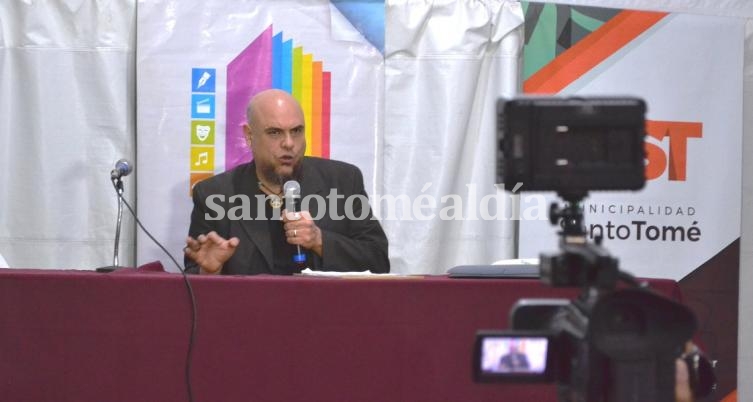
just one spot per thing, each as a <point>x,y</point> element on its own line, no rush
<point>67,110</point>
<point>446,63</point>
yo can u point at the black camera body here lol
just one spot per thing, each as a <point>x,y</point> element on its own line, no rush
<point>616,346</point>
<point>612,343</point>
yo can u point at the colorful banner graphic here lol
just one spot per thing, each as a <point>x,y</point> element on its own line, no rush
<point>693,117</point>
<point>202,79</point>
<point>271,62</point>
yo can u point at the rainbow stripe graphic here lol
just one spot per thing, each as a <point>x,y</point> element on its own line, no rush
<point>271,62</point>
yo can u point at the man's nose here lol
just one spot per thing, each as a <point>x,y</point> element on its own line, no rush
<point>287,141</point>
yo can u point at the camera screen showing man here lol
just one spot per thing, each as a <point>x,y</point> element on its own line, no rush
<point>514,355</point>
<point>514,360</point>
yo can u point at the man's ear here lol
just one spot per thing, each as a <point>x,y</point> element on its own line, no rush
<point>247,134</point>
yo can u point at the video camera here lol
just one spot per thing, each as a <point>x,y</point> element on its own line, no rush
<point>612,343</point>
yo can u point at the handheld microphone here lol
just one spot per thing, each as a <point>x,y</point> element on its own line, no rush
<point>292,192</point>
<point>122,169</point>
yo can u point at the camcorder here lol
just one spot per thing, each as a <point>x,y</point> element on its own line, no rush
<point>618,340</point>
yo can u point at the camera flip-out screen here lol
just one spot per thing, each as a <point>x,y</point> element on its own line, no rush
<point>513,356</point>
<point>571,144</point>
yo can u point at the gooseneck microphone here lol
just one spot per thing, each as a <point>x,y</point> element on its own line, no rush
<point>292,192</point>
<point>123,168</point>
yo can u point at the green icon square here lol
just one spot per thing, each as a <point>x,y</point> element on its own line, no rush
<point>202,132</point>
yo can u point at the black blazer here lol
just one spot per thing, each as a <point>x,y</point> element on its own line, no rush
<point>347,244</point>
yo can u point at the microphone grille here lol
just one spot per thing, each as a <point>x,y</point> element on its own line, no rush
<point>124,166</point>
<point>291,188</point>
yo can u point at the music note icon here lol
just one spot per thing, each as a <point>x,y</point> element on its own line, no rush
<point>203,159</point>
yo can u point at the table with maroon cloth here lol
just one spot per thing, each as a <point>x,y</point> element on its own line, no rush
<point>123,336</point>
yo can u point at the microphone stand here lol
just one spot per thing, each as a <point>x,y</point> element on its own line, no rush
<point>119,190</point>
<point>118,184</point>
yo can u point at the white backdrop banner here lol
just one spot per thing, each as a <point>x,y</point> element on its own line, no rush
<point>690,208</point>
<point>194,85</point>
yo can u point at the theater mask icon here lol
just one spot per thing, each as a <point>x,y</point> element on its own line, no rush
<point>202,132</point>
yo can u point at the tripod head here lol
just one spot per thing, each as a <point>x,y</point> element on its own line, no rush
<point>579,263</point>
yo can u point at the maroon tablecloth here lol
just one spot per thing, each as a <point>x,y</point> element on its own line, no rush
<point>85,336</point>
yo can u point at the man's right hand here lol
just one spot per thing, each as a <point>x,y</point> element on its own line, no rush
<point>210,251</point>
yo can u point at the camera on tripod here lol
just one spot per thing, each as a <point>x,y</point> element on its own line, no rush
<point>614,342</point>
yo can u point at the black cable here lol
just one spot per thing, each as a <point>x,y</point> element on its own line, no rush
<point>192,297</point>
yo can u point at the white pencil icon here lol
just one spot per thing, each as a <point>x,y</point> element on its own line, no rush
<point>203,79</point>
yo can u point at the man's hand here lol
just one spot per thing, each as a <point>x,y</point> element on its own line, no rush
<point>300,229</point>
<point>210,251</point>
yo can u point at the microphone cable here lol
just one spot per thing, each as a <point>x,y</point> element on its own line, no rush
<point>191,295</point>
